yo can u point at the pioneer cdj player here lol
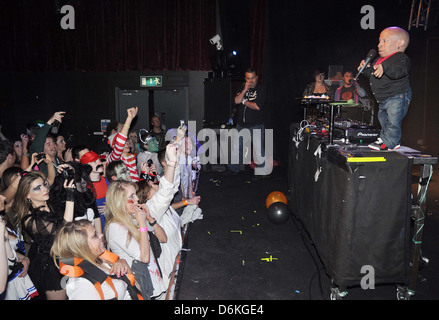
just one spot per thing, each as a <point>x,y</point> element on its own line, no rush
<point>355,131</point>
<point>362,133</point>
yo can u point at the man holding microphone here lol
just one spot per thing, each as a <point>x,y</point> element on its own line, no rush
<point>389,80</point>
<point>250,104</point>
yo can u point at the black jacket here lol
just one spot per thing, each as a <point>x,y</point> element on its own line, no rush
<point>395,79</point>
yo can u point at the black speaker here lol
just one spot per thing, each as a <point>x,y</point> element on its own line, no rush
<point>219,94</point>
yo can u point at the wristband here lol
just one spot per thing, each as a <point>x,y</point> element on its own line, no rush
<point>145,229</point>
<point>153,224</point>
<point>243,101</point>
<point>70,194</point>
<point>169,164</point>
<point>185,202</point>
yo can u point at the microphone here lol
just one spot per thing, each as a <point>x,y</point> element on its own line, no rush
<point>370,56</point>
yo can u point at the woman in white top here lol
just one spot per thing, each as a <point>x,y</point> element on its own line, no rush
<point>158,200</point>
<point>127,231</point>
<point>79,241</point>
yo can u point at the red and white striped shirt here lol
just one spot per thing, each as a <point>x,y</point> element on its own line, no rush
<point>119,143</point>
<point>130,163</point>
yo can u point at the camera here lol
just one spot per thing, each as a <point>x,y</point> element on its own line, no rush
<point>149,176</point>
<point>68,174</point>
<point>55,127</point>
<point>153,176</point>
<point>216,40</point>
<point>40,156</point>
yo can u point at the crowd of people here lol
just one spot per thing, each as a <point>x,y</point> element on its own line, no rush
<point>77,223</point>
<point>81,224</point>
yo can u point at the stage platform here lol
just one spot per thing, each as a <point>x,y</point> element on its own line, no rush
<point>358,207</point>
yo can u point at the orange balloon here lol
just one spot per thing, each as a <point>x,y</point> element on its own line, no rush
<point>275,196</point>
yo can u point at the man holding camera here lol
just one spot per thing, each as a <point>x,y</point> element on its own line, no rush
<point>45,143</point>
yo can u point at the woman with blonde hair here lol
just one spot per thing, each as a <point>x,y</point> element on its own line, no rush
<point>127,228</point>
<point>82,257</point>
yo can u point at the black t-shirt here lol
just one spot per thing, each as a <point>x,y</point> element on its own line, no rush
<point>347,93</point>
<point>247,117</point>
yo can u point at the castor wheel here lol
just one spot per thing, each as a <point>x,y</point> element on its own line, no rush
<point>403,293</point>
<point>336,294</point>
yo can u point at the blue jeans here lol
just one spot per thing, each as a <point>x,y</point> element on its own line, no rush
<point>390,114</point>
<point>258,148</point>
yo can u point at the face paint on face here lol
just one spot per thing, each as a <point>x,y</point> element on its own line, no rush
<point>122,173</point>
<point>153,145</point>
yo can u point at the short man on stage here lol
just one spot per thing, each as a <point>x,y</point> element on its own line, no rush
<point>389,80</point>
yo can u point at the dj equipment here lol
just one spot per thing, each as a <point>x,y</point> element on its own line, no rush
<point>360,133</point>
<point>353,131</point>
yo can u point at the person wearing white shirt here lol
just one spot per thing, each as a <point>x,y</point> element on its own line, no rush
<point>128,223</point>
<point>69,245</point>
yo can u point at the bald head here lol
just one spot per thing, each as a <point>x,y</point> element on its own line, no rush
<point>401,35</point>
<point>393,39</point>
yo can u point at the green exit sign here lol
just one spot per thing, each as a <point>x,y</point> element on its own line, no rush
<point>154,81</point>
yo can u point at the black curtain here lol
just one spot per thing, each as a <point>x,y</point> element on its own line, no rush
<point>109,35</point>
<point>243,31</point>
<point>235,31</point>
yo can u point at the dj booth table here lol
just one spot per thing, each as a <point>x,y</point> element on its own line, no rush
<point>358,208</point>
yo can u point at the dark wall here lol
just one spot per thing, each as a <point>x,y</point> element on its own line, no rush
<point>36,96</point>
<point>299,36</point>
<point>87,97</point>
<point>44,68</point>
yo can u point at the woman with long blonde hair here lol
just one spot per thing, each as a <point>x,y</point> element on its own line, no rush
<point>127,228</point>
<point>78,245</point>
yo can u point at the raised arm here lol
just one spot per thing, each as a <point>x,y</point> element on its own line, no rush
<point>121,137</point>
<point>69,186</point>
